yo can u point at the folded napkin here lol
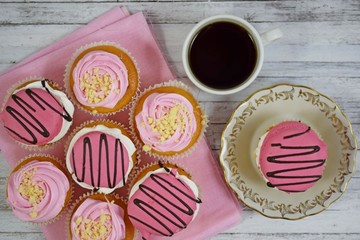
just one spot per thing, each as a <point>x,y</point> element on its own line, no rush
<point>220,209</point>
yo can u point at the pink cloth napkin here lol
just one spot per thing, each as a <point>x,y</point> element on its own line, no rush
<point>219,210</point>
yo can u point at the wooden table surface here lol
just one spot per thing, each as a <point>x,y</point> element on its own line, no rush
<point>320,49</point>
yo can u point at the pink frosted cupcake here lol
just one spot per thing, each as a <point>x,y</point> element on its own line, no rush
<point>37,114</point>
<point>100,156</point>
<point>291,157</point>
<point>99,216</point>
<point>167,121</point>
<point>162,201</point>
<point>102,78</point>
<point>38,189</point>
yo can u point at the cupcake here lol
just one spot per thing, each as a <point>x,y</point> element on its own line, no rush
<point>99,216</point>
<point>102,78</point>
<point>291,157</point>
<point>100,156</point>
<point>162,201</point>
<point>37,113</point>
<point>167,120</point>
<point>38,189</point>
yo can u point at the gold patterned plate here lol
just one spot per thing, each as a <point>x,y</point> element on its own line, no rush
<point>253,117</point>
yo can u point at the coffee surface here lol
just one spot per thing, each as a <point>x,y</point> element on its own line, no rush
<point>222,55</point>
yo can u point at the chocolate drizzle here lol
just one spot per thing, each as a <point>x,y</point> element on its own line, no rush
<point>283,159</point>
<point>88,158</point>
<point>168,205</point>
<point>29,121</point>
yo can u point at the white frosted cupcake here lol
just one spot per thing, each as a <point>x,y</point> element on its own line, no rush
<point>163,200</point>
<point>100,156</point>
<point>36,113</point>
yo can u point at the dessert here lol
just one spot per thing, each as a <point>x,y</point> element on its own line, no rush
<point>38,189</point>
<point>36,113</point>
<point>162,201</point>
<point>100,156</point>
<point>102,78</point>
<point>102,217</point>
<point>291,157</point>
<point>167,120</point>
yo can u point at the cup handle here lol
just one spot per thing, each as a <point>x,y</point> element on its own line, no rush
<point>271,36</point>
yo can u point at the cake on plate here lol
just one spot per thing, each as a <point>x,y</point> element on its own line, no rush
<point>291,156</point>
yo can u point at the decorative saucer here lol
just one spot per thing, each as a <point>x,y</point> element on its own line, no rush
<point>253,117</point>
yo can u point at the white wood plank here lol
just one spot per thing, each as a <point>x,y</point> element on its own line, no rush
<point>102,1</point>
<point>11,1</point>
<point>71,1</point>
<point>3,204</point>
<point>22,236</point>
<point>321,223</point>
<point>172,35</point>
<point>4,172</point>
<point>185,12</point>
<point>342,39</point>
<point>11,224</point>
<point>287,236</point>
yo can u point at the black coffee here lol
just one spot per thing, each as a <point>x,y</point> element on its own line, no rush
<point>222,55</point>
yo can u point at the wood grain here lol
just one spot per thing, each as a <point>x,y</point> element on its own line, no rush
<point>320,49</point>
<point>185,12</point>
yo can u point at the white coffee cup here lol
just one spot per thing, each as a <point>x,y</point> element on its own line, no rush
<point>259,40</point>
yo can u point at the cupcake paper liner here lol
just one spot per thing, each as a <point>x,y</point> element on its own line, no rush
<point>138,141</point>
<point>19,84</point>
<point>82,198</point>
<point>89,123</point>
<point>68,72</point>
<point>49,158</point>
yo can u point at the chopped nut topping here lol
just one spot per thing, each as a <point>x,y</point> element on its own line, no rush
<point>31,190</point>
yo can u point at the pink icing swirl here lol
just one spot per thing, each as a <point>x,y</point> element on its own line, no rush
<point>176,132</point>
<point>100,79</point>
<point>95,219</point>
<point>46,185</point>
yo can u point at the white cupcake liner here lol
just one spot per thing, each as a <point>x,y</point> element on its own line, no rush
<point>63,169</point>
<point>138,141</point>
<point>25,82</point>
<point>82,198</point>
<point>100,122</point>
<point>68,72</point>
